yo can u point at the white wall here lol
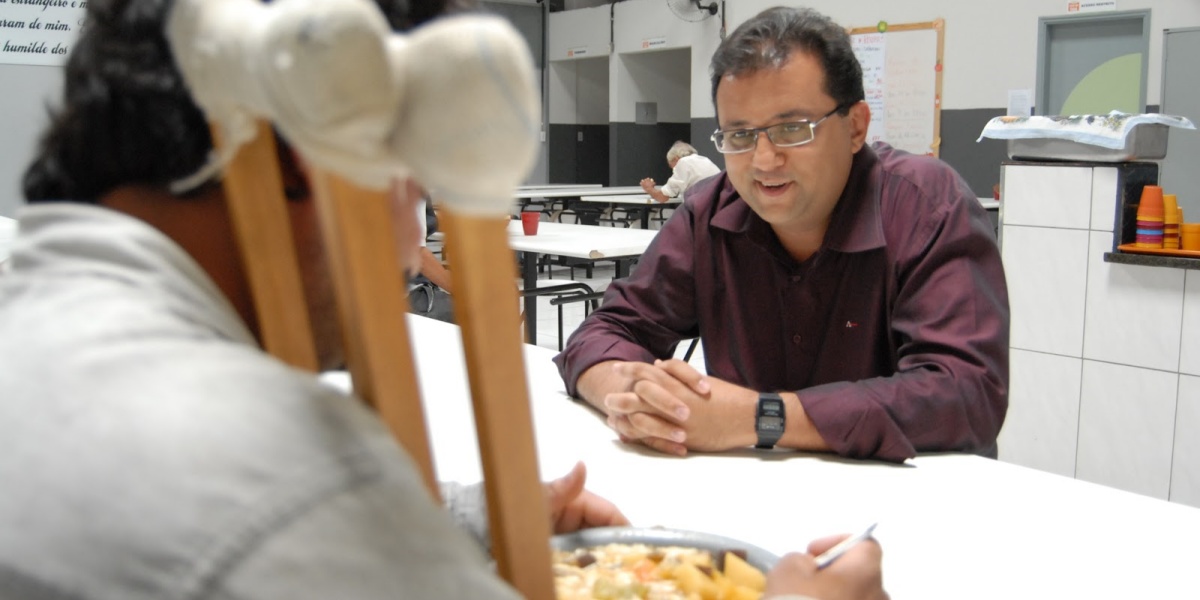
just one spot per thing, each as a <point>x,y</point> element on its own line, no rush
<point>574,30</point>
<point>26,91</point>
<point>991,47</point>
<point>662,77</point>
<point>641,23</point>
<point>577,50</point>
<point>579,91</point>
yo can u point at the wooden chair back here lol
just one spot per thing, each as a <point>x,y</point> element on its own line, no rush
<point>372,300</point>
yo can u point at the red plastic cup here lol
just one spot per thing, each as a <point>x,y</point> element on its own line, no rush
<point>529,222</point>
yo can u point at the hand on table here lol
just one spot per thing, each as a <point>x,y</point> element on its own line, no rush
<point>856,575</point>
<point>573,508</point>
<point>671,407</point>
<point>648,184</point>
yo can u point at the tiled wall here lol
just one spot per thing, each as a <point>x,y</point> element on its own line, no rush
<point>1105,382</point>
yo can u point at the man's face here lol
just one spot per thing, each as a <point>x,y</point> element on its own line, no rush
<point>794,188</point>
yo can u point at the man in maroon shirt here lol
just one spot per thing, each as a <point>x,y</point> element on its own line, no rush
<point>851,298</point>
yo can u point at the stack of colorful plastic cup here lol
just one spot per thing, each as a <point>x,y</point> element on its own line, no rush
<point>1170,239</point>
<point>1150,218</point>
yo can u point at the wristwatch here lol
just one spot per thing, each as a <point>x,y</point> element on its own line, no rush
<point>769,420</point>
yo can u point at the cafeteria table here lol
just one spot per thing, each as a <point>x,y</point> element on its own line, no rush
<point>642,203</point>
<point>588,242</point>
<point>952,526</point>
<point>570,195</point>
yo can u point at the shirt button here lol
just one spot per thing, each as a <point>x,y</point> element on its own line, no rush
<point>796,339</point>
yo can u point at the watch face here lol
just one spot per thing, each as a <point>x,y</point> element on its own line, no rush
<point>771,408</point>
<point>770,423</point>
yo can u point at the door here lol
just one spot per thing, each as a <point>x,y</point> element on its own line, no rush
<point>1180,170</point>
<point>1093,64</point>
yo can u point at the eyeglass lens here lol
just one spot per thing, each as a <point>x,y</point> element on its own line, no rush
<point>782,134</point>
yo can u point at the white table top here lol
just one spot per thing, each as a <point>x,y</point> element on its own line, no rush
<point>580,241</point>
<point>631,199</point>
<point>952,526</point>
<point>578,191</point>
<point>8,231</point>
<point>557,186</point>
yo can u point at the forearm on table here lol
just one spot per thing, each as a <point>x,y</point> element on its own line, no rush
<point>888,418</point>
<point>432,269</point>
<point>598,381</point>
<point>799,431</point>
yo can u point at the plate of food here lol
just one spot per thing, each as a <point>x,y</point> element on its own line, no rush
<point>632,562</point>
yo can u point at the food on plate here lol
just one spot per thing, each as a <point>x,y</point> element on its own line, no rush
<point>628,571</point>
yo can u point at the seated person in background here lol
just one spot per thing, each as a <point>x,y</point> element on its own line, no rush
<point>687,167</point>
<point>851,296</point>
<point>429,288</point>
<point>151,448</point>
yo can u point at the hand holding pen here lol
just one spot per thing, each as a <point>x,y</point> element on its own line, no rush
<point>827,557</point>
<point>834,568</point>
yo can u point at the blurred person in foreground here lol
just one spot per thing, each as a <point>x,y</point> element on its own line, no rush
<point>850,298</point>
<point>151,448</point>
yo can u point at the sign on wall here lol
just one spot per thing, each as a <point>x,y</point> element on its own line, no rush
<point>39,32</point>
<point>902,81</point>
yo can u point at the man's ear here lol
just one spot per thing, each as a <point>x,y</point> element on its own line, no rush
<point>859,119</point>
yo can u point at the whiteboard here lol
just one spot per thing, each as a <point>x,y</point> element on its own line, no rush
<point>902,80</point>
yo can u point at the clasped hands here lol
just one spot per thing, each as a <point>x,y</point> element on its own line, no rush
<point>671,407</point>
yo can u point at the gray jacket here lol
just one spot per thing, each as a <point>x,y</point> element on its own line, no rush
<point>149,448</point>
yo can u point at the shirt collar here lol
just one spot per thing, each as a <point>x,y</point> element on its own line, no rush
<point>856,225</point>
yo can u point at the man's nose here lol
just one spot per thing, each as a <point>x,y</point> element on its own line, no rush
<point>766,155</point>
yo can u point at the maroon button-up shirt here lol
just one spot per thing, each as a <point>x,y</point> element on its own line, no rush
<point>894,334</point>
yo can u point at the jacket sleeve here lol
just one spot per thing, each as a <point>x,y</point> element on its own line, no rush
<point>385,539</point>
<point>644,316</point>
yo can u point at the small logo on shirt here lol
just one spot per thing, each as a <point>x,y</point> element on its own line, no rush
<point>851,324</point>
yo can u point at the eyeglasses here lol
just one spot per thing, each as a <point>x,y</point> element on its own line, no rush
<point>783,135</point>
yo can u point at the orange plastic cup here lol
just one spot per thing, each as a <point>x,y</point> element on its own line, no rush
<point>1189,236</point>
<point>1151,204</point>
<point>1170,209</point>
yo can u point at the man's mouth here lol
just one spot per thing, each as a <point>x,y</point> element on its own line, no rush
<point>772,187</point>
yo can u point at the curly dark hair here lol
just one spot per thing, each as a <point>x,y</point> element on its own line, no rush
<point>126,116</point>
<point>770,38</point>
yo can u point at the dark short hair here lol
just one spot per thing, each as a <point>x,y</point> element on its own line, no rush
<point>769,39</point>
<point>126,117</point>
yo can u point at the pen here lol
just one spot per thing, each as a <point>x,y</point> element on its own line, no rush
<point>827,557</point>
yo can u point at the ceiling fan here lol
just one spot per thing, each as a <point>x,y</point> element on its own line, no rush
<point>692,10</point>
